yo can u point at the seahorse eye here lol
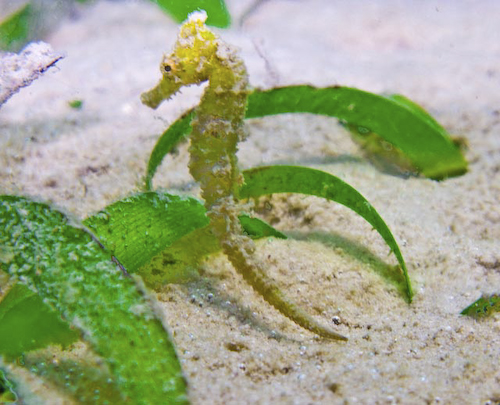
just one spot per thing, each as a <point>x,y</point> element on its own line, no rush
<point>167,68</point>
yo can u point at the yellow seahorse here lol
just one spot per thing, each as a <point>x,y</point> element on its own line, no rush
<point>199,55</point>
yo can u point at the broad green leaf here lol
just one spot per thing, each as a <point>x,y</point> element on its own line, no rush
<point>483,307</point>
<point>218,16</point>
<point>291,179</point>
<point>139,227</point>
<point>162,236</point>
<point>27,323</point>
<point>395,118</point>
<point>74,275</point>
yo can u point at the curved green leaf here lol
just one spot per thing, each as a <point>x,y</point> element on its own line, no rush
<point>167,141</point>
<point>291,179</point>
<point>395,118</point>
<point>218,16</point>
<point>73,274</point>
<point>27,323</point>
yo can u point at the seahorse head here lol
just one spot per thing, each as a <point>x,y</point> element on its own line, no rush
<point>190,62</point>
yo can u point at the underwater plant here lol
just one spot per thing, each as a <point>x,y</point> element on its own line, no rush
<point>483,306</point>
<point>73,277</point>
<point>34,19</point>
<point>90,284</point>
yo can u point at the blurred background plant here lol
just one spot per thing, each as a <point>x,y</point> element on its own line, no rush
<point>24,21</point>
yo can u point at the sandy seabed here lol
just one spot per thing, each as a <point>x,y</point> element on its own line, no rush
<point>234,347</point>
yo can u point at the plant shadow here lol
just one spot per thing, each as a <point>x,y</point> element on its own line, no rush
<point>207,292</point>
<point>390,273</point>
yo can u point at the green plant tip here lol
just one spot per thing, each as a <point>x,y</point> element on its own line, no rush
<point>76,104</point>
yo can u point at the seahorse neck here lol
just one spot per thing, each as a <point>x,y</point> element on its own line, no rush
<point>228,88</point>
<point>218,128</point>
